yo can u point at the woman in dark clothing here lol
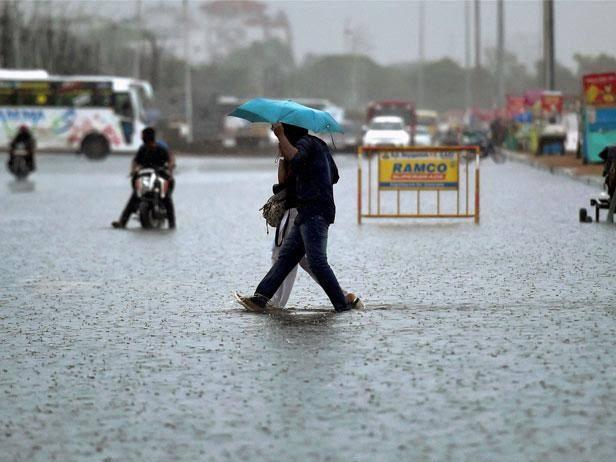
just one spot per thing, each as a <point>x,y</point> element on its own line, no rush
<point>314,172</point>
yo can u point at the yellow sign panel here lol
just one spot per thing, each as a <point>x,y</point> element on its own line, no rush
<point>418,170</point>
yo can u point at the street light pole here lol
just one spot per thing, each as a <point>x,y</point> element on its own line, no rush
<point>548,45</point>
<point>421,42</point>
<point>187,76</point>
<point>137,61</point>
<point>500,53</point>
<point>467,55</point>
<point>477,35</point>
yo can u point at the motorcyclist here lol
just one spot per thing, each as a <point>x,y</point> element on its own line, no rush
<point>154,155</point>
<point>23,136</point>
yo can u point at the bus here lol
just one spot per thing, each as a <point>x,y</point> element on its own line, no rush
<point>93,115</point>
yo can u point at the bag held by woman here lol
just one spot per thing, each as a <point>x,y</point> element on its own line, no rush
<point>274,208</point>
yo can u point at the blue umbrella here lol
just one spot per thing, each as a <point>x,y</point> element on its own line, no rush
<point>287,111</point>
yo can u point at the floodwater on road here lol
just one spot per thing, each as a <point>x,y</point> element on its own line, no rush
<point>480,342</point>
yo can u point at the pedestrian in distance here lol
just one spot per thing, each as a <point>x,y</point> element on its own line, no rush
<point>23,138</point>
<point>315,173</point>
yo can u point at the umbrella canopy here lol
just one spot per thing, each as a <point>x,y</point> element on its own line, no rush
<point>287,111</point>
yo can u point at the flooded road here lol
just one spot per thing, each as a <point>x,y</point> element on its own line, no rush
<point>480,342</point>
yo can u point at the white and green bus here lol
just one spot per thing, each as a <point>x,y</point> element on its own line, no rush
<point>94,115</point>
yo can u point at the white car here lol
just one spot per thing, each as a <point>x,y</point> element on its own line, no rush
<point>387,131</point>
<point>422,136</point>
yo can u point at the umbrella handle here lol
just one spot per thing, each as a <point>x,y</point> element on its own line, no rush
<point>331,135</point>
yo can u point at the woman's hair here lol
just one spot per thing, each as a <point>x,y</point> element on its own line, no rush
<point>294,133</point>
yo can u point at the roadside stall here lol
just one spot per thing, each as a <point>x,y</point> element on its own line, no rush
<point>516,115</point>
<point>552,132</point>
<point>598,122</point>
<point>528,135</point>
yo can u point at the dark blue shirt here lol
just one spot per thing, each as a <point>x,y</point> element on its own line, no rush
<point>315,175</point>
<point>152,157</point>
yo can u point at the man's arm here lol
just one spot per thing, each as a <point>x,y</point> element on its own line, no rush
<point>134,166</point>
<point>287,150</point>
<point>171,161</point>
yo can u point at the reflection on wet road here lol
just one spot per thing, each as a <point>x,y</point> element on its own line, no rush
<point>488,342</point>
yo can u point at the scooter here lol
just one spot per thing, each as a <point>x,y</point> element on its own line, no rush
<point>18,163</point>
<point>151,188</point>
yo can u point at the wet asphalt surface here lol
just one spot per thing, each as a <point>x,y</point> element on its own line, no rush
<point>488,342</point>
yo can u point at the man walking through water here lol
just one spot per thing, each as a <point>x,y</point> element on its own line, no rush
<point>316,173</point>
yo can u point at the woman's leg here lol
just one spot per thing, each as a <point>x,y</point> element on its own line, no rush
<point>291,252</point>
<point>281,297</point>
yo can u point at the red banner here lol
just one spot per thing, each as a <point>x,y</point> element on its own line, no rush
<point>600,89</point>
<point>552,102</point>
<point>532,96</point>
<point>515,106</point>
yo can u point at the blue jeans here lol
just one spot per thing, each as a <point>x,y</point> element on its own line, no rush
<point>310,239</point>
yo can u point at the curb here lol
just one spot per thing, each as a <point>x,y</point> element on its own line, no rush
<point>590,180</point>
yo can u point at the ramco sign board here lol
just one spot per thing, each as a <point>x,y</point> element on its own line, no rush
<point>418,170</point>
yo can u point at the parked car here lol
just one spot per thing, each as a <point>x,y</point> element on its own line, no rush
<point>478,138</point>
<point>387,131</point>
<point>449,137</point>
<point>350,139</point>
<point>423,136</point>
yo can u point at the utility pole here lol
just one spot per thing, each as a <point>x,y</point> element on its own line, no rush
<point>187,76</point>
<point>467,55</point>
<point>548,45</point>
<point>500,53</point>
<point>477,35</point>
<point>352,46</point>
<point>420,75</point>
<point>137,60</point>
<point>16,29</point>
<point>355,72</point>
<point>4,22</point>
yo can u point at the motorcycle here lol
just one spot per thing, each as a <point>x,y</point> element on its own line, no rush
<point>151,188</point>
<point>18,163</point>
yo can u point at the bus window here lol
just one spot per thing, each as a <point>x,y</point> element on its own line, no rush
<point>8,96</point>
<point>122,105</point>
<point>34,94</point>
<point>103,94</point>
<point>75,94</point>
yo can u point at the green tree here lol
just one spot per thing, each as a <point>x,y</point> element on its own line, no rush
<point>564,78</point>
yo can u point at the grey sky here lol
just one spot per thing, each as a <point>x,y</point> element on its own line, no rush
<point>389,28</point>
<point>585,26</point>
